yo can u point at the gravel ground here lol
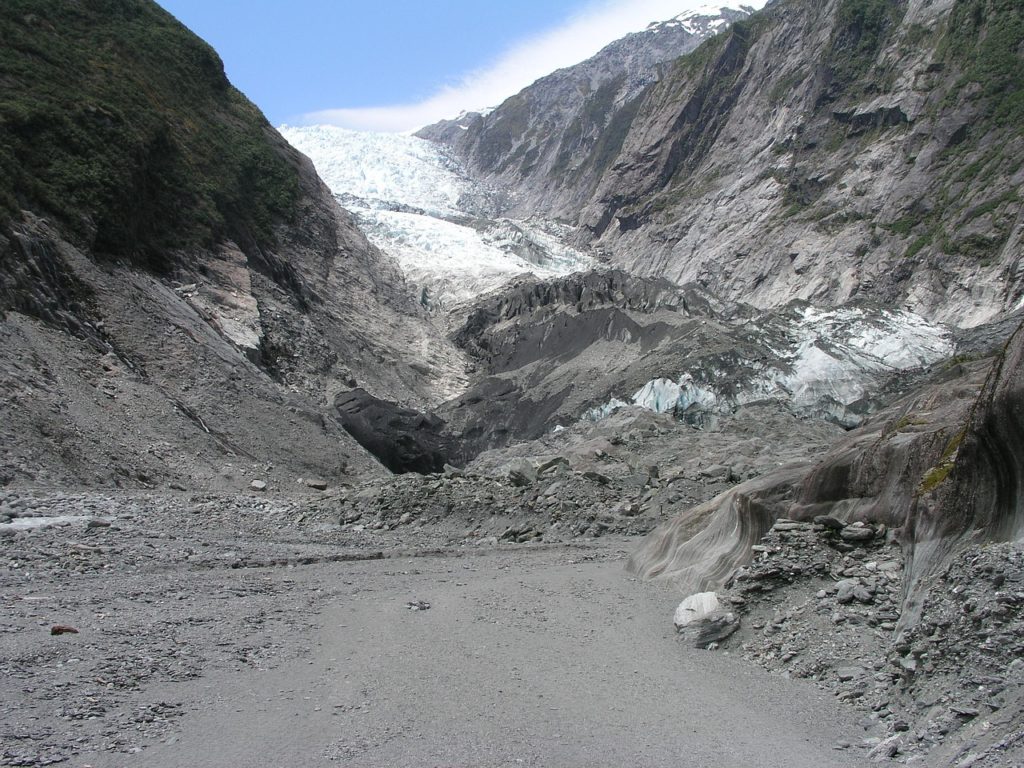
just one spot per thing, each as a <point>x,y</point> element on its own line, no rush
<point>242,630</point>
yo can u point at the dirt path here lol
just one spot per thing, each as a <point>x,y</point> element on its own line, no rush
<point>523,659</point>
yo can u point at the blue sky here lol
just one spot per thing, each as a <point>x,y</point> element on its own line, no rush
<point>400,64</point>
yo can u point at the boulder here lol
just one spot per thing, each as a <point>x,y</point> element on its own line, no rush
<point>402,439</point>
<point>695,607</point>
<point>520,472</point>
<point>829,522</point>
<point>857,532</point>
<point>702,621</point>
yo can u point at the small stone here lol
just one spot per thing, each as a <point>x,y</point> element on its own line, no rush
<point>862,595</point>
<point>887,750</point>
<point>857,533</point>
<point>846,589</point>
<point>717,472</point>
<point>98,524</point>
<point>829,522</point>
<point>552,463</point>
<point>317,485</point>
<point>63,629</point>
<point>417,605</point>
<point>846,674</point>
<point>789,526</point>
<point>968,713</point>
<point>258,485</point>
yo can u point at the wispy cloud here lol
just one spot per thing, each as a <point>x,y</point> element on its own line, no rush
<point>578,38</point>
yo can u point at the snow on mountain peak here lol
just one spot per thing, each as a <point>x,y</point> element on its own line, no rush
<point>704,18</point>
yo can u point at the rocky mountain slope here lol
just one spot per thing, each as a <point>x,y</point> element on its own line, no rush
<point>820,151</point>
<point>185,307</point>
<point>543,132</point>
<point>181,296</point>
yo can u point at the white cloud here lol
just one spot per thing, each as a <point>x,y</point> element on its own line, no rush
<point>577,39</point>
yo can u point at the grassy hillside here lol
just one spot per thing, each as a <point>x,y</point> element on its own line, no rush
<point>120,123</point>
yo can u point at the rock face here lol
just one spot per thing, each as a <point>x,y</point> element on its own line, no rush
<point>971,492</point>
<point>818,150</point>
<point>402,439</point>
<point>154,331</point>
<point>573,117</point>
<point>876,474</point>
<point>941,468</point>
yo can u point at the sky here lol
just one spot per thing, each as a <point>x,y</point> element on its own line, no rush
<point>397,65</point>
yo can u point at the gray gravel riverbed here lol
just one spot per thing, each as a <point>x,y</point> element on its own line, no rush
<point>222,632</point>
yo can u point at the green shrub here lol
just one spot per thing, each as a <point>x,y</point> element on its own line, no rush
<point>120,123</point>
<point>985,39</point>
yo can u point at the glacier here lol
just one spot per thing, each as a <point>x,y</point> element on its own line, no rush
<point>822,363</point>
<point>418,205</point>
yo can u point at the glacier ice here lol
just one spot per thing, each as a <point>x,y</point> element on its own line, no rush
<point>824,362</point>
<point>417,205</point>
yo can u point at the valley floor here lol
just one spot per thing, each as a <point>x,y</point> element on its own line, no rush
<point>237,631</point>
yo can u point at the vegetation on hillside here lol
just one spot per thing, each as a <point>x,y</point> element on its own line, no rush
<point>861,28</point>
<point>986,39</point>
<point>120,123</point>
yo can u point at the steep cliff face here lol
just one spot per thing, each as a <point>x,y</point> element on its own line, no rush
<point>573,120</point>
<point>823,151</point>
<point>875,474</point>
<point>971,494</point>
<point>181,296</point>
<point>826,150</point>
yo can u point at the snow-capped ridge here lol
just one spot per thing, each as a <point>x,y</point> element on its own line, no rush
<point>701,19</point>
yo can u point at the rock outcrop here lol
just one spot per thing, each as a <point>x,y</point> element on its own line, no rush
<point>941,468</point>
<point>818,150</point>
<point>403,439</point>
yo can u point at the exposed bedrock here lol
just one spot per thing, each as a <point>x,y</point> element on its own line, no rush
<point>939,469</point>
<point>402,439</point>
<point>972,495</point>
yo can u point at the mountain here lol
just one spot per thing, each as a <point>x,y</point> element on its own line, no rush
<point>764,377</point>
<point>816,151</point>
<point>181,296</point>
<point>574,115</point>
